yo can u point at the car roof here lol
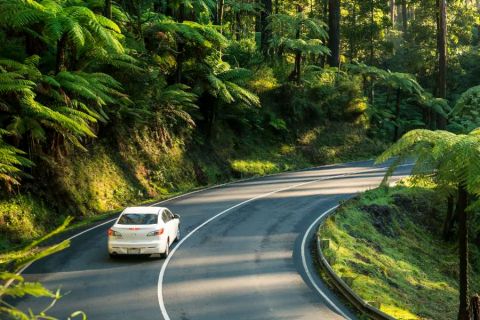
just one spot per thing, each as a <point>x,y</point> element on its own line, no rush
<point>147,210</point>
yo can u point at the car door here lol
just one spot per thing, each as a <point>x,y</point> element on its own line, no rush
<point>169,225</point>
<point>176,224</point>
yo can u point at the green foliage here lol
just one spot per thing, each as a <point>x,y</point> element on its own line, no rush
<point>254,168</point>
<point>465,116</point>
<point>388,241</point>
<point>286,33</point>
<point>414,101</point>
<point>450,159</point>
<point>243,53</point>
<point>14,286</point>
<point>12,161</point>
<point>76,24</point>
<point>67,103</point>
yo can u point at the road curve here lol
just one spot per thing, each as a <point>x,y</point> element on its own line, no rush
<point>243,260</point>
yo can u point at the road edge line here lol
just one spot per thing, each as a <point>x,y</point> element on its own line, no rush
<point>169,257</point>
<point>307,270</point>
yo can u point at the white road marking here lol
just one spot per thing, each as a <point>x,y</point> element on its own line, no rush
<point>307,270</point>
<point>163,309</point>
<point>304,260</point>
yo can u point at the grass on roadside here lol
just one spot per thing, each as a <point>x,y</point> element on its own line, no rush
<point>387,243</point>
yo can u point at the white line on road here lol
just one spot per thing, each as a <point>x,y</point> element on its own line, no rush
<point>169,257</point>
<point>307,270</point>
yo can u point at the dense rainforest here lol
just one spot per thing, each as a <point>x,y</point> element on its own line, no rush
<point>104,103</point>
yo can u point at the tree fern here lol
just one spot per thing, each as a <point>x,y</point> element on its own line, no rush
<point>449,158</point>
<point>197,34</point>
<point>68,94</point>
<point>311,39</point>
<point>465,115</point>
<point>19,14</point>
<point>12,161</point>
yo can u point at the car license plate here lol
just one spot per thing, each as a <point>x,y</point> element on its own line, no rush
<point>133,251</point>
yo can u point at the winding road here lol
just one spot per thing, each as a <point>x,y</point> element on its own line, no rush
<point>245,254</point>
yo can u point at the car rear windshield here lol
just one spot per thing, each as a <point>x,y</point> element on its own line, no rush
<point>138,218</point>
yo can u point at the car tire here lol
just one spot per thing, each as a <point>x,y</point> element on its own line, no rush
<point>167,250</point>
<point>112,256</point>
<point>178,235</point>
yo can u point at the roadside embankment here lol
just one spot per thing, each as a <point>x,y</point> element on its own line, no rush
<point>387,245</point>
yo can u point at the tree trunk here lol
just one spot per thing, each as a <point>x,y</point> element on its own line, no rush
<point>404,18</point>
<point>297,71</point>
<point>180,48</point>
<point>238,26</point>
<point>371,92</point>
<point>138,22</point>
<point>353,50</point>
<point>392,11</point>
<point>462,204</point>
<point>372,39</point>
<point>442,56</point>
<point>108,9</point>
<point>258,19</point>
<point>334,32</point>
<point>220,12</point>
<point>325,10</point>
<point>265,31</point>
<point>447,225</point>
<point>397,116</point>
<point>475,307</point>
<point>61,63</point>
<point>298,66</point>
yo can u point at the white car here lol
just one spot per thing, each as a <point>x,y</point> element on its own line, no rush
<point>143,231</point>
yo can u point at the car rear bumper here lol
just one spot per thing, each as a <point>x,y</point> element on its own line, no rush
<point>136,248</point>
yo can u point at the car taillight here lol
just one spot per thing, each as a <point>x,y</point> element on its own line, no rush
<point>158,232</point>
<point>113,233</point>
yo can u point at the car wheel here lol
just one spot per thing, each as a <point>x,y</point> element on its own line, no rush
<point>178,235</point>
<point>112,256</point>
<point>167,250</point>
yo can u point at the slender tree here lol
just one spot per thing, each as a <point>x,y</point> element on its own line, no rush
<point>353,26</point>
<point>334,32</point>
<point>220,12</point>
<point>297,72</point>
<point>442,56</point>
<point>108,9</point>
<point>372,34</point>
<point>404,17</point>
<point>462,204</point>
<point>265,31</point>
<point>392,11</point>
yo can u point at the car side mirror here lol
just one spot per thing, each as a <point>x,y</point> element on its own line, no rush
<point>176,216</point>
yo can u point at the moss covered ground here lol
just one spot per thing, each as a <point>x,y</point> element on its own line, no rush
<point>388,243</point>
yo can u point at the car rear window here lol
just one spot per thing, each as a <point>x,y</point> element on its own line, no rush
<point>138,218</point>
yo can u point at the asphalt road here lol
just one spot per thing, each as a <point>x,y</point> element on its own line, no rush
<point>243,260</point>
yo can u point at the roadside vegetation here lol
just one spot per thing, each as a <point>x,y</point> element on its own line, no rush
<point>388,244</point>
<point>14,286</point>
